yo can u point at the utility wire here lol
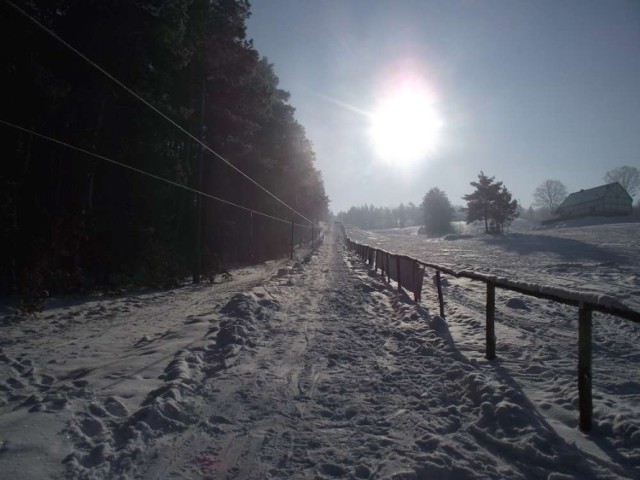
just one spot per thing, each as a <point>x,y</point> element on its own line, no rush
<point>148,104</point>
<point>143,172</point>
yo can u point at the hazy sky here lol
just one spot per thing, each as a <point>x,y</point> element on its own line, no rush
<point>526,91</point>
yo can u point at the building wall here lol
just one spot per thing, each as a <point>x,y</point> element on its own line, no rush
<point>610,204</point>
<point>617,203</point>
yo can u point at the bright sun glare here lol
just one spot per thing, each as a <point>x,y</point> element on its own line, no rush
<point>406,125</point>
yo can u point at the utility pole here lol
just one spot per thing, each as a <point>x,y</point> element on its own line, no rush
<point>197,261</point>
<point>293,217</point>
<point>251,235</point>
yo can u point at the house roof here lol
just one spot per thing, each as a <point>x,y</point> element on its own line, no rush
<point>591,194</point>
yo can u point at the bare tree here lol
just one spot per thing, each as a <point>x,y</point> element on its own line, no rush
<point>550,194</point>
<point>628,177</point>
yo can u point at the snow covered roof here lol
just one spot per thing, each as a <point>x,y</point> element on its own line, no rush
<point>591,194</point>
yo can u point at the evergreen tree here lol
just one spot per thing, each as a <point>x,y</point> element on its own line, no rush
<point>504,209</point>
<point>438,212</point>
<point>372,217</point>
<point>68,221</point>
<point>479,202</point>
<point>490,203</point>
<point>402,216</point>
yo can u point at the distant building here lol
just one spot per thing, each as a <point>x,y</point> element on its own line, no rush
<point>610,199</point>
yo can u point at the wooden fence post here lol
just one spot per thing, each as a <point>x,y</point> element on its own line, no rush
<point>490,353</point>
<point>414,266</point>
<point>398,272</point>
<point>440,297</point>
<point>388,273</point>
<point>312,237</point>
<point>584,368</point>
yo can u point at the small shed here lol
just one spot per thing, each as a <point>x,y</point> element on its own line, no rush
<point>609,200</point>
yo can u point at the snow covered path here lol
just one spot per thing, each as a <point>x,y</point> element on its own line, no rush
<point>319,371</point>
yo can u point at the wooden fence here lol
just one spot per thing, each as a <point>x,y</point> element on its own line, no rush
<point>586,303</point>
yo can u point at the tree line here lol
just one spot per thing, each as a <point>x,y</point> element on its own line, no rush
<point>370,217</point>
<point>70,222</point>
<point>490,203</point>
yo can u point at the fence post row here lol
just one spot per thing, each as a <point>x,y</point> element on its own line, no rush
<point>440,296</point>
<point>585,314</point>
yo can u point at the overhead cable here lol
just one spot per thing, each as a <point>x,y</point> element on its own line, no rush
<point>151,106</point>
<point>143,172</point>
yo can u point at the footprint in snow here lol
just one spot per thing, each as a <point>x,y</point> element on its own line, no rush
<point>517,304</point>
<point>143,341</point>
<point>92,427</point>
<point>193,320</point>
<point>115,407</point>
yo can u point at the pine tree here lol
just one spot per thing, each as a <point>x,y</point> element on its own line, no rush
<point>491,203</point>
<point>438,212</point>
<point>72,222</point>
<point>504,209</point>
<point>479,202</point>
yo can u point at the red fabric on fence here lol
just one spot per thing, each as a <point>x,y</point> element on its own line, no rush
<point>393,267</point>
<point>411,276</point>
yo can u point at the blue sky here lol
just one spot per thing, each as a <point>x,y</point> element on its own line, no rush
<point>527,91</point>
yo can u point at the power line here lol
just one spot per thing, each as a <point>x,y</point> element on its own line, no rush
<point>148,104</point>
<point>143,172</point>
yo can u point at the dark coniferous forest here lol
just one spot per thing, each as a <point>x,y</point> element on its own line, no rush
<point>71,222</point>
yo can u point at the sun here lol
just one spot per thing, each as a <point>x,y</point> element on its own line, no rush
<point>406,125</point>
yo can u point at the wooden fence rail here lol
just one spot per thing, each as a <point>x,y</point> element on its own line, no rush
<point>585,301</point>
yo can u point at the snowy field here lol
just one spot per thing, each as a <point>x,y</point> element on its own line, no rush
<point>537,339</point>
<point>602,258</point>
<point>317,369</point>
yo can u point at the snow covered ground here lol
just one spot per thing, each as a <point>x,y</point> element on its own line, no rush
<point>318,369</point>
<point>602,258</point>
<point>537,339</point>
